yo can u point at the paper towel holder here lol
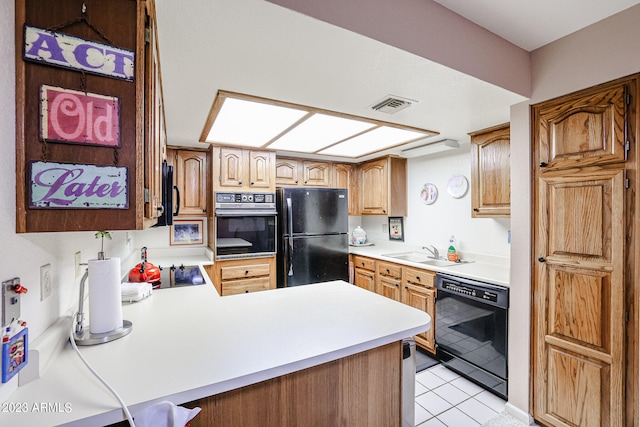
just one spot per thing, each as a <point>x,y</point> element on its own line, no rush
<point>84,336</point>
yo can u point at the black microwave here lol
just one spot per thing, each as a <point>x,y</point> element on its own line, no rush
<point>167,213</point>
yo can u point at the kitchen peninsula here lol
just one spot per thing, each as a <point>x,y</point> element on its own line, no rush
<point>188,344</point>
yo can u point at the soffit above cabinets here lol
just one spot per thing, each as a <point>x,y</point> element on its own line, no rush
<point>248,121</point>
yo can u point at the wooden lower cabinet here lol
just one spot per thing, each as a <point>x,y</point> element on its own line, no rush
<point>239,276</point>
<point>412,286</point>
<point>364,273</point>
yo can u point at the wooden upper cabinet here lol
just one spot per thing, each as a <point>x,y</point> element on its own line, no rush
<point>190,171</point>
<point>490,172</point>
<point>288,172</point>
<point>303,173</point>
<point>241,169</point>
<point>260,169</point>
<point>135,186</point>
<point>587,130</point>
<point>384,187</point>
<point>230,166</point>
<point>345,175</point>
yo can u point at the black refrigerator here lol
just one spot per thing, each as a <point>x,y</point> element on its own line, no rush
<point>313,243</point>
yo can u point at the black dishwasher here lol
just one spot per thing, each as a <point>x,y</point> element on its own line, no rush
<point>471,330</point>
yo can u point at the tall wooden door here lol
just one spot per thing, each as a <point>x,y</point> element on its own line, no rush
<point>578,305</point>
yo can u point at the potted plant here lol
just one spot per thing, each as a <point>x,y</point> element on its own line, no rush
<point>102,235</point>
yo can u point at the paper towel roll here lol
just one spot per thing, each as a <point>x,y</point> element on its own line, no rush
<point>105,307</point>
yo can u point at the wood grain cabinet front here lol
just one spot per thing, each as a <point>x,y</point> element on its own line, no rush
<point>383,185</point>
<point>491,172</point>
<point>240,169</point>
<point>191,175</point>
<point>240,276</point>
<point>302,173</point>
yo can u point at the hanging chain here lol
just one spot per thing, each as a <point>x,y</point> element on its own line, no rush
<point>115,156</point>
<point>84,19</point>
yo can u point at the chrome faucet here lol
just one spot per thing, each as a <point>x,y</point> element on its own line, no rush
<point>433,251</point>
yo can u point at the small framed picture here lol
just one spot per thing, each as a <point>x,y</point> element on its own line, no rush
<point>396,231</point>
<point>186,232</point>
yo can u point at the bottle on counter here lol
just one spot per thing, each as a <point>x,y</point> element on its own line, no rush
<point>452,254</point>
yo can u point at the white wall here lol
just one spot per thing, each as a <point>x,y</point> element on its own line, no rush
<point>434,224</point>
<point>599,53</point>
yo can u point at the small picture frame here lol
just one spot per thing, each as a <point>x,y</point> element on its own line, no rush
<point>186,232</point>
<point>396,230</point>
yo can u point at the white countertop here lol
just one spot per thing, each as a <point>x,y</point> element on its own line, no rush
<point>188,343</point>
<point>485,268</point>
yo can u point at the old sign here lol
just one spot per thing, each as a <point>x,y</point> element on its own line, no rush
<point>63,50</point>
<point>78,117</point>
<point>77,186</point>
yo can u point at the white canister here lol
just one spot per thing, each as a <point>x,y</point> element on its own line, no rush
<point>359,236</point>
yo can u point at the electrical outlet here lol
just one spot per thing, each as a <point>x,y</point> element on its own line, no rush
<point>78,260</point>
<point>45,282</point>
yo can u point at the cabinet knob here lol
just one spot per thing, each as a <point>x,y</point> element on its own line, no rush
<point>397,285</point>
<point>543,164</point>
<point>246,292</point>
<point>297,181</point>
<point>240,182</point>
<point>541,259</point>
<point>476,209</point>
<point>418,278</point>
<point>252,183</point>
<point>306,182</point>
<point>387,270</point>
<point>204,210</point>
<point>246,272</point>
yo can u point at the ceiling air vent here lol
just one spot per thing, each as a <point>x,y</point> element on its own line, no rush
<point>391,104</point>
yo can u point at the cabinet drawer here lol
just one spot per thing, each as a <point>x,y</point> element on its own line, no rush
<point>243,271</point>
<point>363,262</point>
<point>420,277</point>
<point>390,270</point>
<point>243,286</point>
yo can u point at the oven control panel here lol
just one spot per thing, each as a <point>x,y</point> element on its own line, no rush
<point>245,200</point>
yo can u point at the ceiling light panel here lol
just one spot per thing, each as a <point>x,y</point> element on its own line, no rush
<point>375,140</point>
<point>266,122</point>
<point>319,131</point>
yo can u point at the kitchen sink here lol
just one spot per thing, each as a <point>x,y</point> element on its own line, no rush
<point>422,258</point>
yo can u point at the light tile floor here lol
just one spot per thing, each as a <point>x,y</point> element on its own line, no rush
<point>445,399</point>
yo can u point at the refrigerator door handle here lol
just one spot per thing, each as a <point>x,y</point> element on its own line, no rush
<point>290,226</point>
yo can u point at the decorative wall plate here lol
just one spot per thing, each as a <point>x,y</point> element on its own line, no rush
<point>457,186</point>
<point>429,194</point>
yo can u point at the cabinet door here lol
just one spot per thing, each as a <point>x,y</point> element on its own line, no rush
<point>582,233</point>
<point>231,167</point>
<point>287,172</point>
<point>261,172</point>
<point>191,171</point>
<point>316,174</point>
<point>422,299</point>
<point>374,187</point>
<point>154,128</point>
<point>587,130</point>
<point>388,287</point>
<point>345,176</point>
<point>490,173</point>
<point>365,279</point>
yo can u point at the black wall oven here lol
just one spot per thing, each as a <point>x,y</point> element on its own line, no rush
<point>245,225</point>
<point>471,330</point>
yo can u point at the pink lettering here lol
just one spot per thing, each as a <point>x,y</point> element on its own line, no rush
<point>70,106</point>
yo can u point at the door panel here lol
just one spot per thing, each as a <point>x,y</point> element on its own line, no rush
<point>317,259</point>
<point>588,130</point>
<point>577,399</point>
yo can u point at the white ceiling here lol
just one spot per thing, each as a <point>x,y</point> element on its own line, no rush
<point>258,48</point>
<point>532,24</point>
